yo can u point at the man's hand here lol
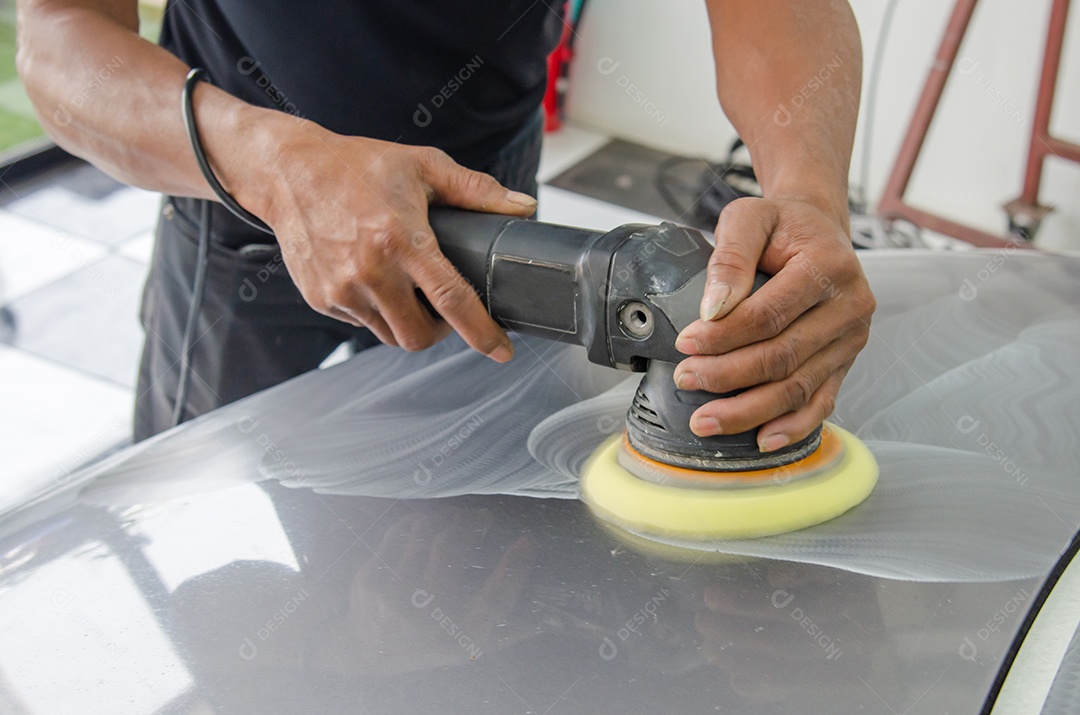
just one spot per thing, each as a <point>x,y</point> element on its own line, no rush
<point>350,213</point>
<point>795,106</point>
<point>351,216</point>
<point>792,342</point>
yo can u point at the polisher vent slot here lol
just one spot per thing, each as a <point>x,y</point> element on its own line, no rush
<point>642,410</point>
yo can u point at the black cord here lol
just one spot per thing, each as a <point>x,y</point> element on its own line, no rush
<point>664,182</point>
<point>202,259</point>
<point>194,307</point>
<point>193,77</point>
<point>716,186</point>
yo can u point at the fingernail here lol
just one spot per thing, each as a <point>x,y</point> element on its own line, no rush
<point>503,353</point>
<point>519,199</point>
<point>716,295</point>
<point>686,380</point>
<point>773,442</point>
<point>685,345</point>
<point>705,426</point>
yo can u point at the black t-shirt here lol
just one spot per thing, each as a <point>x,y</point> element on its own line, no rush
<point>462,75</point>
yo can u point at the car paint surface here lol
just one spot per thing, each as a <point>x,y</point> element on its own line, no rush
<point>246,595</point>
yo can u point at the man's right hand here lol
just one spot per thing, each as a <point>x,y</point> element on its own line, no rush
<point>350,213</point>
<point>351,216</point>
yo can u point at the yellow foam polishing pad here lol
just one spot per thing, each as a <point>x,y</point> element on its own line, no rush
<point>760,507</point>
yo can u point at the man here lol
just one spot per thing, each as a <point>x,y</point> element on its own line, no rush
<point>321,118</point>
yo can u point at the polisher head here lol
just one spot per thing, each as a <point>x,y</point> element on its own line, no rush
<point>651,498</point>
<point>658,427</point>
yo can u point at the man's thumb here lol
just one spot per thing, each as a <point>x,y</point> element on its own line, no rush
<point>741,236</point>
<point>454,185</point>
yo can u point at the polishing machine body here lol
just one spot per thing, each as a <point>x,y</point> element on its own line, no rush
<point>624,295</point>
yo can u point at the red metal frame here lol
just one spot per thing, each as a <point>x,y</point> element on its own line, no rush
<point>1025,210</point>
<point>1043,144</point>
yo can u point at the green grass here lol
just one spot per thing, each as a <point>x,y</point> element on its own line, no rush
<point>7,49</point>
<point>150,20</point>
<point>17,127</point>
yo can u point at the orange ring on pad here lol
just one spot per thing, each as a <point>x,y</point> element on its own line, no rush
<point>827,454</point>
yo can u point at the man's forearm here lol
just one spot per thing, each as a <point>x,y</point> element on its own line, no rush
<point>350,212</point>
<point>789,76</point>
<point>109,96</point>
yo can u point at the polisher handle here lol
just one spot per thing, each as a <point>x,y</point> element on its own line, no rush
<point>528,274</point>
<point>624,294</point>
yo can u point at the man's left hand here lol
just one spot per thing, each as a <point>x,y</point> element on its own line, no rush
<point>790,344</point>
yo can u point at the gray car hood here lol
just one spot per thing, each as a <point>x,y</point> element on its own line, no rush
<point>401,533</point>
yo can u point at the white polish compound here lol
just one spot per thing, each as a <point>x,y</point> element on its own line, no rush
<point>969,406</point>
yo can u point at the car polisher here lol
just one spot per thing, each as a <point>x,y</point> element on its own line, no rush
<point>625,295</point>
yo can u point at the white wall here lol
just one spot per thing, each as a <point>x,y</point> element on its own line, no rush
<point>662,93</point>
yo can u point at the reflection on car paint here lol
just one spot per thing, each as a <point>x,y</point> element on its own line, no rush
<point>938,384</point>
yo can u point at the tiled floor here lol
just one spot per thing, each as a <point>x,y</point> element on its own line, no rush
<point>73,256</point>
<point>53,418</point>
<point>92,307</point>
